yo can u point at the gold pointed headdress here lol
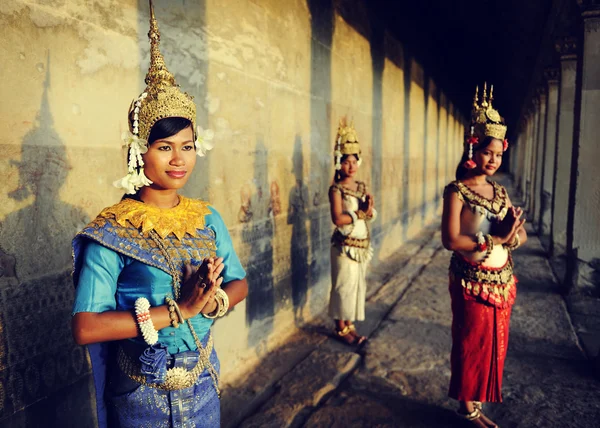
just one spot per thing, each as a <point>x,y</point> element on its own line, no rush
<point>346,140</point>
<point>162,97</point>
<point>346,143</point>
<point>485,120</point>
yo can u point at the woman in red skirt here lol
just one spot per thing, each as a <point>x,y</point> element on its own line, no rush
<point>482,228</point>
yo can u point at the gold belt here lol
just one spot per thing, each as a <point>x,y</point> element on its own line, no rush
<point>346,241</point>
<point>177,377</point>
<point>481,274</point>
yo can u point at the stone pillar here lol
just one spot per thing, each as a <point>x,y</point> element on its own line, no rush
<point>533,159</point>
<point>585,248</point>
<point>551,75</point>
<point>539,159</point>
<point>566,117</point>
<point>528,158</point>
<point>514,149</point>
<point>521,150</point>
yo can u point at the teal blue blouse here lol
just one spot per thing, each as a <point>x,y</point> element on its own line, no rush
<point>110,281</point>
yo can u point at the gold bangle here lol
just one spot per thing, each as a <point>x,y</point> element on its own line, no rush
<point>361,215</point>
<point>221,294</point>
<point>214,314</point>
<point>514,244</point>
<point>175,314</point>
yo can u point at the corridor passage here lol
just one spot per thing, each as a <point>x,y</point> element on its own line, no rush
<point>402,374</point>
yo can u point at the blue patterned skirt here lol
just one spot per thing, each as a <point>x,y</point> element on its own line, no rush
<point>131,404</point>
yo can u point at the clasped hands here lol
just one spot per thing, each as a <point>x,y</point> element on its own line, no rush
<point>509,227</point>
<point>367,205</point>
<point>200,286</point>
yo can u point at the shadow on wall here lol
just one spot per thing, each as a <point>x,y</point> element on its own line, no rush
<point>377,44</point>
<point>322,28</point>
<point>184,44</point>
<point>38,357</point>
<point>297,216</point>
<point>258,234</point>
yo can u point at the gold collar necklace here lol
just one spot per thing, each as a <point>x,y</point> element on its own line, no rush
<point>186,217</point>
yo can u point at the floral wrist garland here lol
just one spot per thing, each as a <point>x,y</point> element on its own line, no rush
<point>142,313</point>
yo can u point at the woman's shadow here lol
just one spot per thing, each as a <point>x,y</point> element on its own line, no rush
<point>36,292</point>
<point>298,217</point>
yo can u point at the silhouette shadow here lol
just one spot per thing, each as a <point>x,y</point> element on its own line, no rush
<point>38,357</point>
<point>322,28</point>
<point>377,44</point>
<point>297,217</point>
<point>258,234</point>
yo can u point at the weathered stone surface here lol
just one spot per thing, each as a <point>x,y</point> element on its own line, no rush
<point>404,378</point>
<point>304,388</point>
<point>242,398</point>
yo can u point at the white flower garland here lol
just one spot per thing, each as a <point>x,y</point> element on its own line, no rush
<point>142,313</point>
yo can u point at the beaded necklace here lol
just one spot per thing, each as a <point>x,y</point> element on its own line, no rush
<point>176,282</point>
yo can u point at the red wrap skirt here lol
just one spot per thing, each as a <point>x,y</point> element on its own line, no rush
<point>479,344</point>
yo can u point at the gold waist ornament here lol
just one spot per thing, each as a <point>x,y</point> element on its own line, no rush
<point>496,286</point>
<point>347,241</point>
<point>177,377</point>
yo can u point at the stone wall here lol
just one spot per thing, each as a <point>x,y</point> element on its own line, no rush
<point>272,79</point>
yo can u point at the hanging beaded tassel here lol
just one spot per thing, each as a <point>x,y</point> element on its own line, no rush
<point>470,164</point>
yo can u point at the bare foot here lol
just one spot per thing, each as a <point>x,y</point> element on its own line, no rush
<point>359,339</point>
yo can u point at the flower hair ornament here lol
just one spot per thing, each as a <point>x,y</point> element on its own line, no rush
<point>161,99</point>
<point>485,122</point>
<point>346,143</point>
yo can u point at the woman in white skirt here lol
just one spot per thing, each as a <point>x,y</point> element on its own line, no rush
<point>352,208</point>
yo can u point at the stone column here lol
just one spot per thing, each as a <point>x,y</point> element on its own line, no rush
<point>533,160</point>
<point>564,145</point>
<point>551,75</point>
<point>514,149</point>
<point>528,156</point>
<point>585,248</point>
<point>521,150</point>
<point>539,159</point>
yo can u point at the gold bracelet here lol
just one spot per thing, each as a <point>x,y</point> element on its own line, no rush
<point>214,314</point>
<point>221,294</point>
<point>514,244</point>
<point>175,314</point>
<point>174,307</point>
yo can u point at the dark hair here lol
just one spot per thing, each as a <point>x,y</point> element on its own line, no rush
<point>167,127</point>
<point>338,176</point>
<point>461,171</point>
<point>162,128</point>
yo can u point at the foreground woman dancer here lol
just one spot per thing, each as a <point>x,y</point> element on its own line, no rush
<point>482,228</point>
<point>153,272</point>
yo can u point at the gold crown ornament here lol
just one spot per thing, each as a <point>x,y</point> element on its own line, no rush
<point>161,99</point>
<point>346,143</point>
<point>485,122</point>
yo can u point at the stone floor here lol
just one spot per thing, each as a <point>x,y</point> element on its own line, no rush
<point>400,378</point>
